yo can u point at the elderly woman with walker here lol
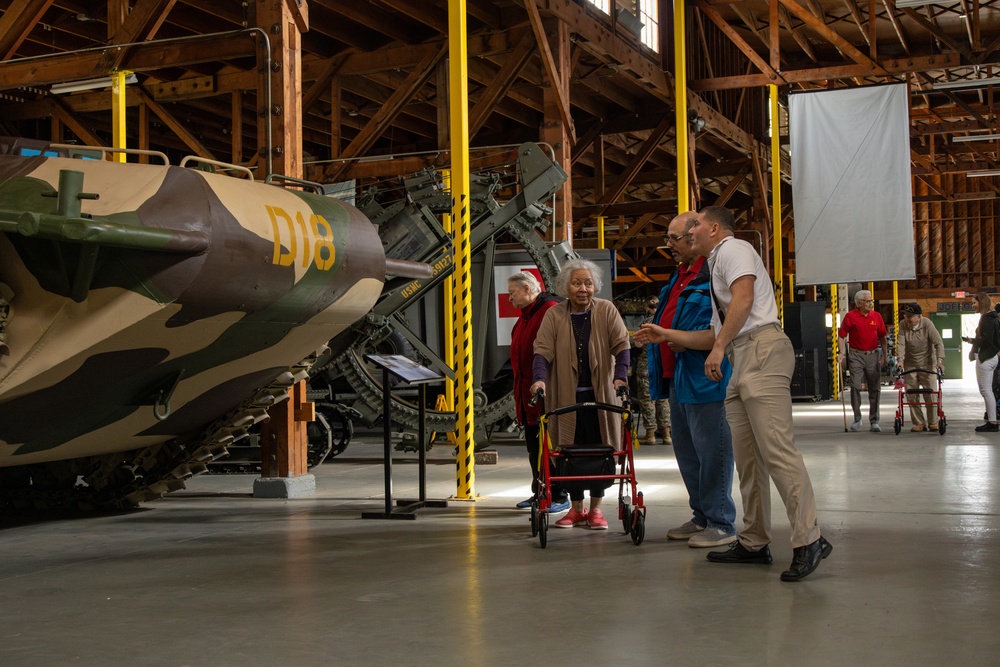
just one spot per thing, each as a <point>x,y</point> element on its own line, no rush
<point>581,356</point>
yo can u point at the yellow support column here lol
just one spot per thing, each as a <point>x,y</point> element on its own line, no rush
<point>681,108</point>
<point>460,194</point>
<point>118,106</point>
<point>776,203</point>
<point>600,232</point>
<point>895,319</point>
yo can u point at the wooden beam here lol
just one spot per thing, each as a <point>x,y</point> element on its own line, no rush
<point>551,70</point>
<point>17,22</point>
<point>141,24</point>
<point>934,30</point>
<point>144,57</point>
<point>826,33</point>
<point>176,126</point>
<point>70,121</point>
<point>820,74</point>
<point>890,11</point>
<point>500,85</point>
<point>384,117</point>
<point>299,11</point>
<point>741,44</point>
<point>639,159</point>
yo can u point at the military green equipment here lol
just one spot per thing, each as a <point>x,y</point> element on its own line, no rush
<point>150,314</point>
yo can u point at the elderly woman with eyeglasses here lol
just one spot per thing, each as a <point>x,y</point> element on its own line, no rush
<point>582,355</point>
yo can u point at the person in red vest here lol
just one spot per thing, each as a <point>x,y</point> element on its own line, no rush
<point>527,296</point>
<point>865,332</point>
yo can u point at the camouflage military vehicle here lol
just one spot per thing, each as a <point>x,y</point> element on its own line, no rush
<point>150,314</point>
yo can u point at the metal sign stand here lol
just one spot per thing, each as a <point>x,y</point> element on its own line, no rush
<point>411,373</point>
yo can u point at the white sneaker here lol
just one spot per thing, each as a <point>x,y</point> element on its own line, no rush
<point>876,428</point>
<point>856,426</point>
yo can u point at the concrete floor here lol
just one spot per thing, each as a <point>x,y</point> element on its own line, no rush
<point>212,576</point>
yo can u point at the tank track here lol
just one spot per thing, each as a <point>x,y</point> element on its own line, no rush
<point>123,480</point>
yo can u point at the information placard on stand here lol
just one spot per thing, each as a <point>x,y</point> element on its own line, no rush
<point>407,371</point>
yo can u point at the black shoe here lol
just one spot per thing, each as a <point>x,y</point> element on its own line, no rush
<point>737,553</point>
<point>806,559</point>
<point>988,427</point>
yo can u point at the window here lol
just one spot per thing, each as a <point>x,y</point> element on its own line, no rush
<point>649,14</point>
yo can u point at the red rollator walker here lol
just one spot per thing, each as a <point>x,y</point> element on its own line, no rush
<point>918,397</point>
<point>580,464</point>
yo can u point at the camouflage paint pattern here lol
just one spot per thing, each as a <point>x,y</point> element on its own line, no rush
<point>281,273</point>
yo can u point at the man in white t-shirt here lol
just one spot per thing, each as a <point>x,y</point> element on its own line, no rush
<point>758,401</point>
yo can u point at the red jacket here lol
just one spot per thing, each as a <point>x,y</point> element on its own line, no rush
<point>522,353</point>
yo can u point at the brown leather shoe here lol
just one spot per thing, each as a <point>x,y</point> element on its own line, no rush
<point>918,428</point>
<point>933,427</point>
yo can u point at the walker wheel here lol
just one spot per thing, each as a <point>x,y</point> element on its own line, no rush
<point>897,425</point>
<point>543,529</point>
<point>534,518</point>
<point>638,528</point>
<point>942,425</point>
<point>625,513</point>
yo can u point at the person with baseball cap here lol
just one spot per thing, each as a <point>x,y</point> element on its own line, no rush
<point>920,346</point>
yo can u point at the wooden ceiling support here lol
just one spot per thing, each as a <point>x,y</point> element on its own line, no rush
<point>175,125</point>
<point>554,72</point>
<point>281,124</point>
<point>383,118</point>
<point>17,22</point>
<point>500,85</point>
<point>638,160</point>
<point>829,35</point>
<point>740,43</point>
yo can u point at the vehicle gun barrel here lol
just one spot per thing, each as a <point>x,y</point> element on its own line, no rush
<point>404,268</point>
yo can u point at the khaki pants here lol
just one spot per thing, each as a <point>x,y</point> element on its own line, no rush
<point>759,412</point>
<point>923,381</point>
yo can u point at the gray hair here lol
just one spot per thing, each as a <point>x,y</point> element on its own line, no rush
<point>862,294</point>
<point>526,279</point>
<point>562,280</point>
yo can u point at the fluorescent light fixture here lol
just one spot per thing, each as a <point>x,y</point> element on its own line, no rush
<point>901,4</point>
<point>87,84</point>
<point>966,83</point>
<point>976,174</point>
<point>975,137</point>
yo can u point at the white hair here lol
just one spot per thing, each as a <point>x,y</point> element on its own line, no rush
<point>862,294</point>
<point>562,280</point>
<point>526,279</point>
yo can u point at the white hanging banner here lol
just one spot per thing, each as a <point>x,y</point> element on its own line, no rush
<point>851,185</point>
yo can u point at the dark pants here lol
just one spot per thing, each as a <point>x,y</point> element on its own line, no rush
<point>588,432</point>
<point>533,445</point>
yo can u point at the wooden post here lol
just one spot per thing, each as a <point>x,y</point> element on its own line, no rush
<point>284,448</point>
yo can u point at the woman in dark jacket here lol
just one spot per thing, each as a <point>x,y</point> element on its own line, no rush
<point>985,347</point>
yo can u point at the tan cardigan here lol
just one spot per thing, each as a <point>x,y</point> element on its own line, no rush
<point>555,342</point>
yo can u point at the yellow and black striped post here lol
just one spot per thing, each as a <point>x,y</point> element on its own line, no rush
<point>834,314</point>
<point>460,192</point>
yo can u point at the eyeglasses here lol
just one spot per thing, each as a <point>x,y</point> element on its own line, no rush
<point>677,237</point>
<point>866,301</point>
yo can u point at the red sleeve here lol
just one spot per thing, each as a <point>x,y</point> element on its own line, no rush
<point>842,332</point>
<point>882,331</point>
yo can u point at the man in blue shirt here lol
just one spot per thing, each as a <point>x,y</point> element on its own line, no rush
<point>702,439</point>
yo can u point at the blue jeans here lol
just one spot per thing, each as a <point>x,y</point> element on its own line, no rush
<point>703,446</point>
